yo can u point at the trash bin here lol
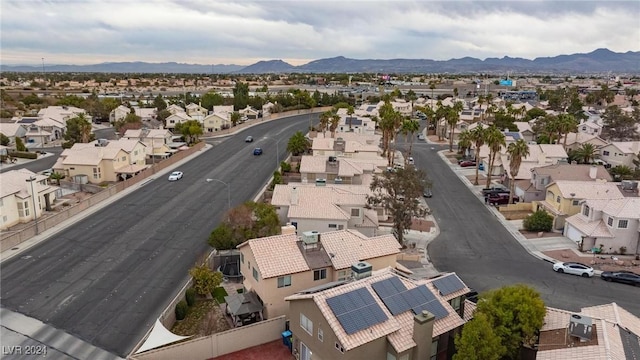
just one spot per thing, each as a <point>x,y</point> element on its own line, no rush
<point>286,339</point>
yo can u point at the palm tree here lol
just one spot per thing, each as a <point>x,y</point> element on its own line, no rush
<point>325,118</point>
<point>586,153</point>
<point>465,140</point>
<point>494,138</point>
<point>440,113</point>
<point>409,128</point>
<point>566,124</point>
<point>477,136</point>
<point>350,112</point>
<point>334,121</point>
<point>517,151</point>
<point>452,117</point>
<point>298,144</point>
<point>480,102</point>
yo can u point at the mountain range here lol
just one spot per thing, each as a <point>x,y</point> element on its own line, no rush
<point>598,61</point>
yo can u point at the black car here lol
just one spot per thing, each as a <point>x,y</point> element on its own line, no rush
<point>495,189</point>
<point>625,277</point>
<point>427,193</point>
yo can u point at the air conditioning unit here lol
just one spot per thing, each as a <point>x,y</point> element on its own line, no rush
<point>361,270</point>
<point>310,237</point>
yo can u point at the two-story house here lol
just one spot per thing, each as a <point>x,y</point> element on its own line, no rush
<point>539,155</point>
<point>534,182</point>
<point>249,113</point>
<point>524,128</point>
<point>564,198</point>
<point>196,111</point>
<point>13,131</point>
<point>277,266</point>
<point>613,223</point>
<point>310,207</point>
<point>620,153</point>
<point>349,145</point>
<point>339,170</point>
<point>24,196</point>
<point>119,113</point>
<point>156,140</point>
<point>576,140</point>
<point>380,316</point>
<point>218,119</point>
<point>174,119</point>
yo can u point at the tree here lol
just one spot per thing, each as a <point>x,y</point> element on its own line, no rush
<point>57,177</point>
<point>517,151</point>
<point>211,99</point>
<point>248,221</point>
<point>350,112</point>
<point>465,141</point>
<point>190,130</point>
<point>409,128</point>
<point>131,121</point>
<point>20,145</point>
<point>398,192</point>
<point>325,119</point>
<point>621,172</point>
<point>235,118</point>
<point>566,124</point>
<point>159,103</point>
<point>205,279</point>
<point>494,138</point>
<point>478,341</point>
<point>515,314</point>
<point>221,238</point>
<point>619,126</point>
<point>78,130</point>
<point>240,95</point>
<point>538,221</point>
<point>334,121</point>
<point>477,137</point>
<point>4,140</point>
<point>298,144</point>
<point>586,153</point>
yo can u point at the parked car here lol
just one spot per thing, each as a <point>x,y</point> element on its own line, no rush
<point>573,268</point>
<point>47,172</point>
<point>257,151</point>
<point>421,137</point>
<point>500,199</point>
<point>622,276</point>
<point>495,189</point>
<point>467,163</point>
<point>176,175</point>
<point>427,193</point>
<point>248,139</point>
<point>410,161</point>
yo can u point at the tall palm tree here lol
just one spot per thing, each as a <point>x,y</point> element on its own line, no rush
<point>409,128</point>
<point>566,124</point>
<point>481,102</point>
<point>440,113</point>
<point>478,136</point>
<point>325,118</point>
<point>465,140</point>
<point>494,138</point>
<point>586,153</point>
<point>452,116</point>
<point>517,151</point>
<point>334,121</point>
<point>350,112</point>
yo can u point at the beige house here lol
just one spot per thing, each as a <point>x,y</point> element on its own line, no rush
<point>380,316</point>
<point>349,145</point>
<point>175,119</point>
<point>217,121</point>
<point>175,109</point>
<point>13,131</point>
<point>249,112</point>
<point>21,192</point>
<point>146,114</point>
<point>539,155</point>
<point>603,332</point>
<point>156,141</point>
<point>326,208</point>
<point>278,266</point>
<point>524,128</point>
<point>615,224</point>
<point>620,153</point>
<point>196,111</point>
<point>100,162</point>
<point>339,170</point>
<point>119,113</point>
<point>575,140</point>
<point>267,109</point>
<point>564,198</point>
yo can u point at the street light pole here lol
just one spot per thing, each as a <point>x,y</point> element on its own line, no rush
<point>33,199</point>
<point>228,191</point>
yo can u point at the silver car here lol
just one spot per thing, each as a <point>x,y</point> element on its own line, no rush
<point>176,175</point>
<point>573,268</point>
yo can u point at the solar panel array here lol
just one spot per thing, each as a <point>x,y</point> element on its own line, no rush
<point>356,310</point>
<point>448,284</point>
<point>398,299</point>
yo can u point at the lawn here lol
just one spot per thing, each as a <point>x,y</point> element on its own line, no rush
<point>219,293</point>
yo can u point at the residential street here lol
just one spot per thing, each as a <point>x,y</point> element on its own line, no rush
<point>108,277</point>
<point>474,244</point>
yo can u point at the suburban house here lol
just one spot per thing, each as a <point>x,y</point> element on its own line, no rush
<point>146,114</point>
<point>339,170</point>
<point>13,131</point>
<point>21,192</point>
<point>196,111</point>
<point>174,109</point>
<point>119,113</point>
<point>326,208</point>
<point>178,118</point>
<point>576,140</point>
<point>349,145</point>
<point>100,161</point>
<point>613,223</point>
<point>38,136</point>
<point>156,140</point>
<point>267,108</point>
<point>564,198</point>
<point>249,113</point>
<point>539,155</point>
<point>620,153</point>
<point>524,128</point>
<point>217,120</point>
<point>597,333</point>
<point>590,128</point>
<point>533,185</point>
<point>277,266</point>
<point>379,316</point>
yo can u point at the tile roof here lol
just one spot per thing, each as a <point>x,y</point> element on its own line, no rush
<point>90,155</point>
<point>277,255</point>
<point>590,228</point>
<point>127,145</point>
<point>574,172</point>
<point>10,129</point>
<point>15,182</point>
<point>398,329</point>
<point>523,126</point>
<point>588,190</point>
<point>349,247</point>
<point>320,202</point>
<point>628,147</point>
<point>581,138</point>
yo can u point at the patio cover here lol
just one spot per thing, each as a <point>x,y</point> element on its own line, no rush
<point>159,336</point>
<point>243,304</point>
<point>131,169</point>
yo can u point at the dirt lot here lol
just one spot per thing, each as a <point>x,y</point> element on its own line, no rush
<point>603,262</point>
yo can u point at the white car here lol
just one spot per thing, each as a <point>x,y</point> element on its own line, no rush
<point>573,268</point>
<point>410,161</point>
<point>176,175</point>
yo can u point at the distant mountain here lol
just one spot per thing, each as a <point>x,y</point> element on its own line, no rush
<point>598,61</point>
<point>130,67</point>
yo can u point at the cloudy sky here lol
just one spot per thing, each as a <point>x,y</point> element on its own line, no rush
<point>297,31</point>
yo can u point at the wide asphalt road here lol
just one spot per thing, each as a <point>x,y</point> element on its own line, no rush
<point>474,244</point>
<point>37,165</point>
<point>109,276</point>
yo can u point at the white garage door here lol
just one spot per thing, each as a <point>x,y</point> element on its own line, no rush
<point>572,233</point>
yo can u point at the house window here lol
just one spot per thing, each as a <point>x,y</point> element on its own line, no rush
<point>284,281</point>
<point>23,209</point>
<point>255,274</point>
<point>610,221</point>
<point>340,227</point>
<point>355,212</point>
<point>339,347</point>
<point>585,211</point>
<point>96,173</point>
<point>124,158</point>
<point>558,199</point>
<point>332,226</point>
<point>320,335</point>
<point>242,258</point>
<point>605,153</point>
<point>622,224</point>
<point>455,303</point>
<point>319,274</point>
<point>575,202</point>
<point>306,324</point>
<point>295,224</point>
<point>434,349</point>
<point>1,203</point>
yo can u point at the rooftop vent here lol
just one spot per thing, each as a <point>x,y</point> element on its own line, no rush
<point>310,237</point>
<point>361,270</point>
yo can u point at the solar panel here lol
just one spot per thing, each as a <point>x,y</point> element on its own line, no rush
<point>356,310</point>
<point>427,301</point>
<point>448,284</point>
<point>388,287</point>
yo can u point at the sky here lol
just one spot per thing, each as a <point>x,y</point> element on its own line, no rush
<point>243,32</point>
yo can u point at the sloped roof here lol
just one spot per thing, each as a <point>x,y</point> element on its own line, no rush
<point>349,247</point>
<point>588,190</point>
<point>319,202</point>
<point>575,172</point>
<point>596,228</point>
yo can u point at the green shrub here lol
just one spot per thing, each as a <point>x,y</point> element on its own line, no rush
<point>538,221</point>
<point>190,295</point>
<point>23,154</point>
<point>181,310</point>
<point>285,167</point>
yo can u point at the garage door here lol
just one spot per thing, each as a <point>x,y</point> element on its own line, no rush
<point>572,233</point>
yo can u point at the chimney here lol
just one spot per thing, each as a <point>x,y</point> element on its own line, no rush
<point>294,196</point>
<point>423,334</point>
<point>593,172</point>
<point>288,229</point>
